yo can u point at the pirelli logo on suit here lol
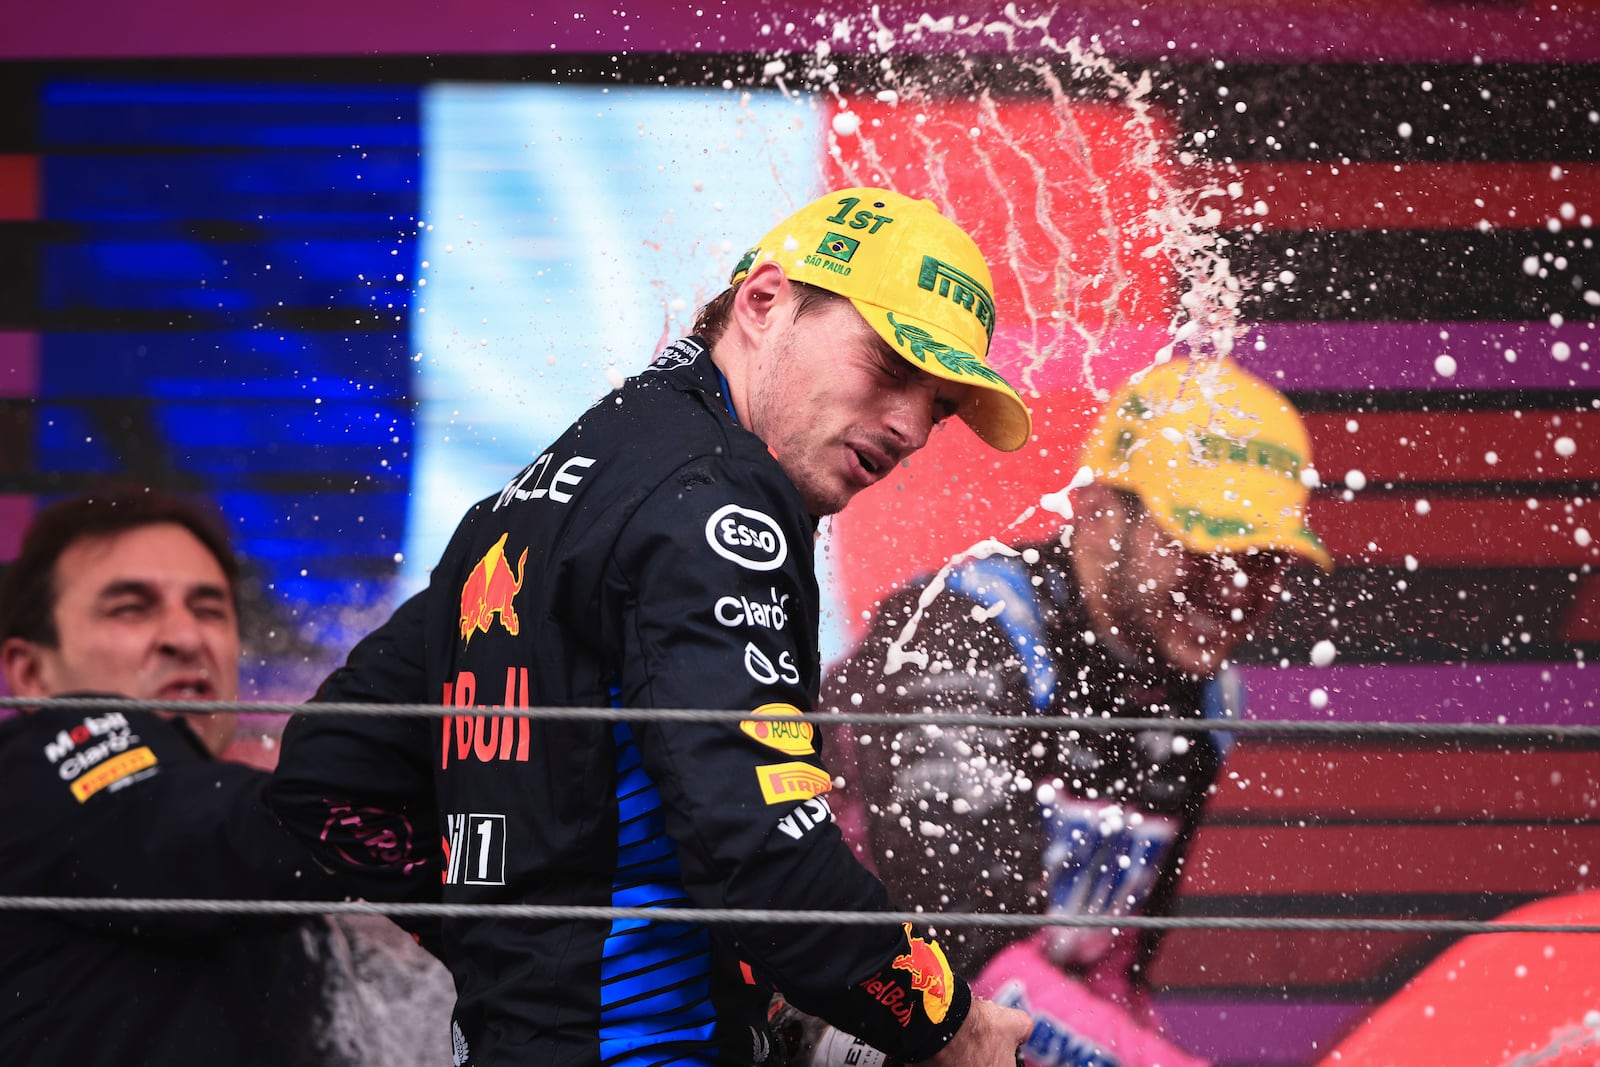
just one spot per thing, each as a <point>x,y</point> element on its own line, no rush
<point>787,783</point>
<point>113,771</point>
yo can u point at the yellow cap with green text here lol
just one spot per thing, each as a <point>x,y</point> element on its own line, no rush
<point>1218,457</point>
<point>920,282</point>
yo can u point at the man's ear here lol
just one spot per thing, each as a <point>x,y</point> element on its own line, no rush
<point>759,295</point>
<point>22,663</point>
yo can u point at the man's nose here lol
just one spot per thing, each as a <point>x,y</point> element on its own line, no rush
<point>1221,584</point>
<point>910,417</point>
<point>180,632</point>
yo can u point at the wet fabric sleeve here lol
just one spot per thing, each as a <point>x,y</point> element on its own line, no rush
<point>358,789</point>
<point>1016,821</point>
<point>130,805</point>
<point>949,823</point>
<point>717,570</point>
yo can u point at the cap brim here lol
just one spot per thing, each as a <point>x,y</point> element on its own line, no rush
<point>1297,540</point>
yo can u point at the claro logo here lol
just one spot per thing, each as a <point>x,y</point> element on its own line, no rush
<point>749,538</point>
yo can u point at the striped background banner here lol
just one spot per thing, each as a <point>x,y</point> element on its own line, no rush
<point>224,232</point>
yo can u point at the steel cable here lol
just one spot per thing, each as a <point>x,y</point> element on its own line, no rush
<point>1048,723</point>
<point>535,912</point>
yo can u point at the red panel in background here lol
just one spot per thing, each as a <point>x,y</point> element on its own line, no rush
<point>1383,530</point>
<point>19,188</point>
<point>1409,196</point>
<point>1316,781</point>
<point>1057,196</point>
<point>1054,194</point>
<point>1457,446</point>
<point>1307,963</point>
<point>1430,859</point>
<point>954,493</point>
<point>1583,621</point>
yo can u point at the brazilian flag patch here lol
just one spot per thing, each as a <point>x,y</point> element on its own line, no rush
<point>838,246</point>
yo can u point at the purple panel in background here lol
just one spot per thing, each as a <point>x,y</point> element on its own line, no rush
<point>1329,31</point>
<point>1356,356</point>
<point>1260,1034</point>
<point>1522,694</point>
<point>19,364</point>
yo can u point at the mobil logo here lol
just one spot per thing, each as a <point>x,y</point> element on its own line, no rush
<point>748,537</point>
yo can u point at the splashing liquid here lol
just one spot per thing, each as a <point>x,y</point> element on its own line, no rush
<point>1106,258</point>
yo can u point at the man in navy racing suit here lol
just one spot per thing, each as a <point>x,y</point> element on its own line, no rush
<point>129,592</point>
<point>659,555</point>
<point>1188,510</point>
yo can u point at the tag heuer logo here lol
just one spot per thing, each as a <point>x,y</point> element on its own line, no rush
<point>837,246</point>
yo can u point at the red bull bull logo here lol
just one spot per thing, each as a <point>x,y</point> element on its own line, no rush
<point>930,975</point>
<point>490,590</point>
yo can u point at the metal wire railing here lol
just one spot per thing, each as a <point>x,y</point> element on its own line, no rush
<point>1501,732</point>
<point>1095,724</point>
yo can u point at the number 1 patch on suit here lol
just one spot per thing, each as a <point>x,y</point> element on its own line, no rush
<point>475,849</point>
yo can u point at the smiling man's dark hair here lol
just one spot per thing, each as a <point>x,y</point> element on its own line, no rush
<point>28,588</point>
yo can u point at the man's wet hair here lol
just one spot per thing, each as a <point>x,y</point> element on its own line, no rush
<point>712,320</point>
<point>28,587</point>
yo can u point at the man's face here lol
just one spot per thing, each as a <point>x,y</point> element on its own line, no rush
<point>837,406</point>
<point>146,614</point>
<point>1190,610</point>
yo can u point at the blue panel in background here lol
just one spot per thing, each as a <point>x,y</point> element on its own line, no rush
<point>274,365</point>
<point>228,288</point>
<point>267,276</point>
<point>131,114</point>
<point>332,186</point>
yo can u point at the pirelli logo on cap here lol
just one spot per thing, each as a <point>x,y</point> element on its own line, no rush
<point>789,783</point>
<point>112,771</point>
<point>783,727</point>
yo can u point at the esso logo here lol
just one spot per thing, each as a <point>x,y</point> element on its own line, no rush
<point>749,538</point>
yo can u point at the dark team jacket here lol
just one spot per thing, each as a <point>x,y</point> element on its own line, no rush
<point>1022,821</point>
<point>127,804</point>
<point>655,556</point>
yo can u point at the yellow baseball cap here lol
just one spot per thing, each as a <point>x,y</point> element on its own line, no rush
<point>920,282</point>
<point>1215,454</point>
